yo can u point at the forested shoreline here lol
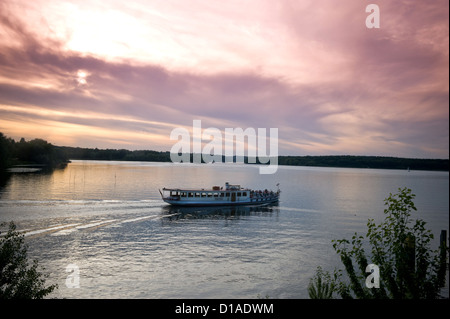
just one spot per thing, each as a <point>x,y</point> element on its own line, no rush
<point>36,152</point>
<point>40,152</point>
<point>379,162</point>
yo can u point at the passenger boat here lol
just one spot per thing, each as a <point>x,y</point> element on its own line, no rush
<point>219,196</point>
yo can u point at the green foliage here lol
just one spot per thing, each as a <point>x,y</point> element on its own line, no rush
<point>36,151</point>
<point>321,286</point>
<point>400,247</point>
<point>18,279</point>
<point>6,146</point>
<point>39,151</point>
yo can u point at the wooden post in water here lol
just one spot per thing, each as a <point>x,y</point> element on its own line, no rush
<point>443,258</point>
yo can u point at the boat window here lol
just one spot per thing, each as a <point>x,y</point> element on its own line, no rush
<point>222,194</point>
<point>209,194</point>
<point>239,194</point>
<point>228,194</point>
<point>244,194</point>
<point>197,194</point>
<point>183,194</point>
<point>216,194</point>
<point>190,194</point>
<point>203,194</point>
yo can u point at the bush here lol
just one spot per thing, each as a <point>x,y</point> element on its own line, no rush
<point>18,279</point>
<point>400,247</point>
<point>321,286</point>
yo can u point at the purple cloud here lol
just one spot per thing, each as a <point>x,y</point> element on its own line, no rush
<point>311,69</point>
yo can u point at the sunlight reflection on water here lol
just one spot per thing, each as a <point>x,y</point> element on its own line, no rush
<point>107,218</point>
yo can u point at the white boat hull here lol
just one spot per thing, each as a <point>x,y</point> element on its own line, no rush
<point>179,202</point>
<point>233,195</point>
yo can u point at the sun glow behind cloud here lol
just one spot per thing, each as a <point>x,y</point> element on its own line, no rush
<point>177,35</point>
<point>81,77</point>
<point>106,74</point>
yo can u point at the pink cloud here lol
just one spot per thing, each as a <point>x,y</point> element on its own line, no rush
<point>310,68</point>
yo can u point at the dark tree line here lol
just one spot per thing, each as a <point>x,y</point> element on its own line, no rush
<point>382,162</point>
<point>38,151</point>
<point>34,152</point>
<point>322,161</point>
<point>78,153</point>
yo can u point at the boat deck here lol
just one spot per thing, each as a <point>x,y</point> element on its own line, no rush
<point>217,196</point>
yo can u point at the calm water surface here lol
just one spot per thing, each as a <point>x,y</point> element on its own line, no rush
<point>108,219</point>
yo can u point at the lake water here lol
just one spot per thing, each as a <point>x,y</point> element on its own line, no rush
<point>107,218</point>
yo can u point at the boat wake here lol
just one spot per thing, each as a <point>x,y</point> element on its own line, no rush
<point>69,228</point>
<point>64,217</point>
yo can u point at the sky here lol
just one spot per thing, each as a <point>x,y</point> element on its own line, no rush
<point>124,74</point>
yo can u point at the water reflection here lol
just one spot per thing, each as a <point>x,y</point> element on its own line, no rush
<point>113,225</point>
<point>27,182</point>
<point>4,178</point>
<point>219,212</point>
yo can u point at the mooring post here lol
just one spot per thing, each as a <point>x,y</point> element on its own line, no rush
<point>443,257</point>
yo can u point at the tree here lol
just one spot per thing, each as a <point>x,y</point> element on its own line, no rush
<point>400,247</point>
<point>41,152</point>
<point>18,279</point>
<point>6,145</point>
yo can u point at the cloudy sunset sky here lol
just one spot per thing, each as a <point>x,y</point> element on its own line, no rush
<point>124,74</point>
